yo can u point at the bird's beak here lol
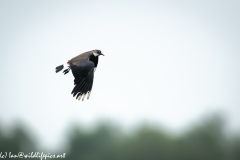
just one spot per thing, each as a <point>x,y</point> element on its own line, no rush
<point>101,54</point>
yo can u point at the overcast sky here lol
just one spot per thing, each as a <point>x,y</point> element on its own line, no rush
<point>166,62</point>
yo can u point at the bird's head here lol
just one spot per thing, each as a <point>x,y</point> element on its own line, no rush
<point>97,52</point>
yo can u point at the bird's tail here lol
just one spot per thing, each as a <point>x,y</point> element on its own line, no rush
<point>59,68</point>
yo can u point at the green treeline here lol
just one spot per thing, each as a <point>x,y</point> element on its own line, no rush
<point>204,141</point>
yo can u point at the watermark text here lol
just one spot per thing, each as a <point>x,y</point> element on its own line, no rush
<point>39,155</point>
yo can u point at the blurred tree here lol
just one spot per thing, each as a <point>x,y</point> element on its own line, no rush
<point>234,148</point>
<point>204,141</point>
<point>148,143</point>
<point>16,141</point>
<point>99,144</point>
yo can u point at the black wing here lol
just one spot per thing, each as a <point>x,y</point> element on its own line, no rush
<point>83,72</point>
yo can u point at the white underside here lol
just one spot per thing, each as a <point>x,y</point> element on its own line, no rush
<point>65,65</point>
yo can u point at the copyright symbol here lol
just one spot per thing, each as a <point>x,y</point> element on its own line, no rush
<point>20,155</point>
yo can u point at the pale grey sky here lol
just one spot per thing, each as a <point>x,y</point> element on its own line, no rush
<point>167,62</point>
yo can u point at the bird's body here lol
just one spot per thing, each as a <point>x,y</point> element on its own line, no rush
<point>83,67</point>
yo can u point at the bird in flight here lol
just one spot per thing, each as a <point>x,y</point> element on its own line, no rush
<point>83,67</point>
